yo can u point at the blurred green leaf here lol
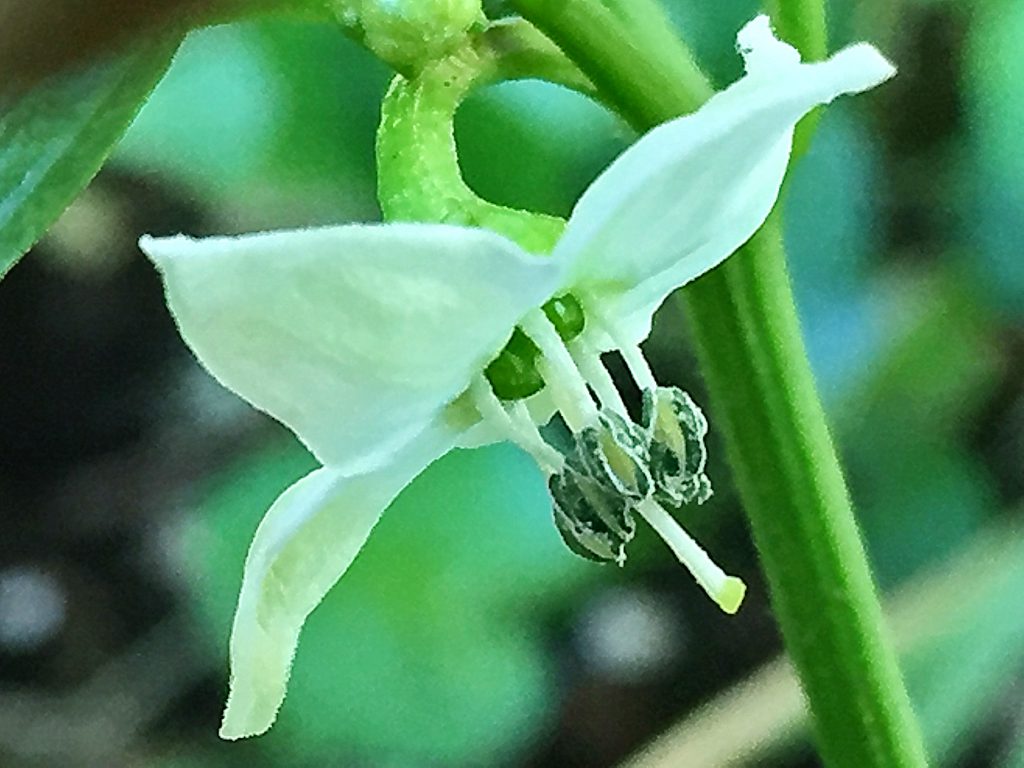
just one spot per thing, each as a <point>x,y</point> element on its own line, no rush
<point>964,640</point>
<point>992,181</point>
<point>919,489</point>
<point>270,121</point>
<point>430,648</point>
<point>940,364</point>
<point>992,83</point>
<point>56,136</point>
<point>207,123</point>
<point>534,145</point>
<point>331,89</point>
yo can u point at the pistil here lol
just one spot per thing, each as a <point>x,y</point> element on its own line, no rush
<point>615,468</point>
<point>727,591</point>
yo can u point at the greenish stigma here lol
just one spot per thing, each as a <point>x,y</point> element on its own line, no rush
<point>513,373</point>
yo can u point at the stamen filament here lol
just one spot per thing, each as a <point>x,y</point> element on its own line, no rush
<point>589,362</point>
<point>727,591</point>
<point>634,358</point>
<point>558,369</point>
<point>520,417</point>
<point>638,367</point>
<point>514,427</point>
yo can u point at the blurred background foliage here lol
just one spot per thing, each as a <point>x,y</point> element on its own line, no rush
<point>465,634</point>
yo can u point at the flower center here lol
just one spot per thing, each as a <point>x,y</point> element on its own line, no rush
<point>610,468</point>
<point>513,373</point>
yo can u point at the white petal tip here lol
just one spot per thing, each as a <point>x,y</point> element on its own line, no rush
<point>234,733</point>
<point>237,724</point>
<point>763,52</point>
<point>161,249</point>
<point>731,594</point>
<point>865,65</point>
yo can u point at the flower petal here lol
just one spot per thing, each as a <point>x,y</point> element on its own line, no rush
<point>693,190</point>
<point>304,544</point>
<point>354,336</point>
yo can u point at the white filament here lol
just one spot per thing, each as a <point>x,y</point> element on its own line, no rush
<point>588,360</point>
<point>513,427</point>
<point>725,590</point>
<point>568,387</point>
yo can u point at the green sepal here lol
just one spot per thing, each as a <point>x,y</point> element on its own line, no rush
<point>513,373</point>
<point>566,314</point>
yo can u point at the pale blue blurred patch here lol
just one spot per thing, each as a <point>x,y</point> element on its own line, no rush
<point>270,123</point>
<point>210,118</point>
<point>831,221</point>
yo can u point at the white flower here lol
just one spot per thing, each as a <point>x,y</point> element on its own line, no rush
<point>371,343</point>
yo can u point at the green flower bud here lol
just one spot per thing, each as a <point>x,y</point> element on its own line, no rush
<point>411,33</point>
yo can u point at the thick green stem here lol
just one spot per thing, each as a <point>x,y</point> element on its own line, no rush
<point>764,400</point>
<point>802,23</point>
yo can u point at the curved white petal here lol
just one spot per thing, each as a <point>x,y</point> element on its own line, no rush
<point>693,190</point>
<point>353,336</point>
<point>304,544</point>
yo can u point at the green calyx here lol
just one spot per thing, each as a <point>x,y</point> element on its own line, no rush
<point>411,33</point>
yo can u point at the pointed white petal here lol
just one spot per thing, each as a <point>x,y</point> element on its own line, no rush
<point>304,544</point>
<point>355,336</point>
<point>693,190</point>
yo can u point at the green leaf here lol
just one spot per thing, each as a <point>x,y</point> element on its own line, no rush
<point>55,137</point>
